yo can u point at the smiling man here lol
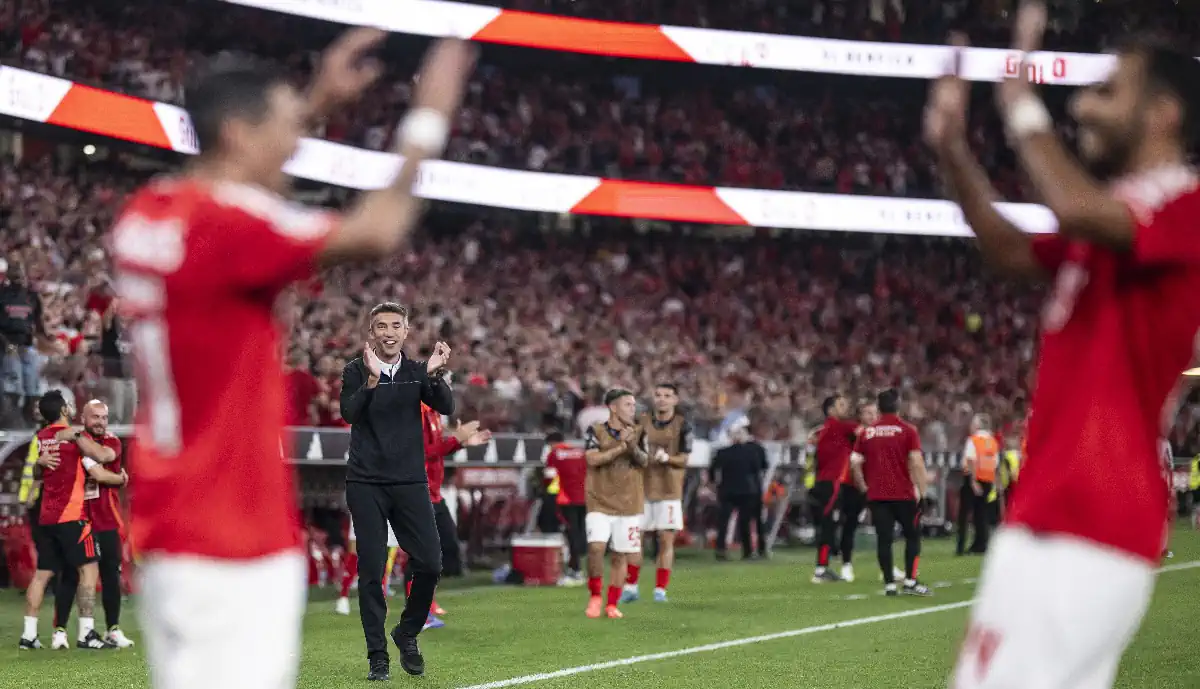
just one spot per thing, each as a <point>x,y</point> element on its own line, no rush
<point>386,482</point>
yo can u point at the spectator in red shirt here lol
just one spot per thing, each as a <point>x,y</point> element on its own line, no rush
<point>302,391</point>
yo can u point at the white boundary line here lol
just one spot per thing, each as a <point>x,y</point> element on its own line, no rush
<point>706,648</point>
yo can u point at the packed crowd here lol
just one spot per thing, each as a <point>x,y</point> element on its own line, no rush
<point>545,314</point>
<point>652,122</point>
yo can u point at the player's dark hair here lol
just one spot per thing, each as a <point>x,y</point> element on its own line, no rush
<point>229,87</point>
<point>827,405</point>
<point>1171,70</point>
<point>889,401</point>
<point>389,307</point>
<point>51,406</point>
<point>668,386</point>
<point>555,437</point>
<point>615,394</point>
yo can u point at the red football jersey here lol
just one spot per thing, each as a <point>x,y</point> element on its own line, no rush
<point>63,488</point>
<point>833,449</point>
<point>1118,330</point>
<point>437,448</point>
<point>884,447</point>
<point>199,269</point>
<point>570,468</point>
<point>103,502</point>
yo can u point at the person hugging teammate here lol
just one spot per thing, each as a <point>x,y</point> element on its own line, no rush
<point>617,454</point>
<point>669,438</point>
<point>835,442</point>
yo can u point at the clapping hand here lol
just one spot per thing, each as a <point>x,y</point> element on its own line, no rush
<point>661,456</point>
<point>1028,31</point>
<point>439,358</point>
<point>469,434</point>
<point>372,361</point>
<point>345,71</point>
<point>945,117</point>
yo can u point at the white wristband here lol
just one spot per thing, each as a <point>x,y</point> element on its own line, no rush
<point>426,130</point>
<point>1026,117</point>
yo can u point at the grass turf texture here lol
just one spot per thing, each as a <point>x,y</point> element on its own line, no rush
<point>497,633</point>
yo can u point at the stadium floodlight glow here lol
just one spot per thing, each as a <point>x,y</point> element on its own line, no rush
<point>440,18</point>
<point>51,100</point>
<point>1193,372</point>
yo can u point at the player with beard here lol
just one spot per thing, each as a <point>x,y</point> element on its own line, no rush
<point>617,454</point>
<point>669,439</point>
<point>835,442</point>
<point>1118,330</point>
<point>103,503</point>
<point>67,457</point>
<point>851,500</point>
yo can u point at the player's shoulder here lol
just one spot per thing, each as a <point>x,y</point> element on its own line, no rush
<point>259,205</point>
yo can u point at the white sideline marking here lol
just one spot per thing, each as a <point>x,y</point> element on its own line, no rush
<point>721,645</point>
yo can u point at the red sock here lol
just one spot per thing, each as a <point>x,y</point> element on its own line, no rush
<point>662,577</point>
<point>595,584</point>
<point>823,557</point>
<point>349,571</point>
<point>614,595</point>
<point>631,574</point>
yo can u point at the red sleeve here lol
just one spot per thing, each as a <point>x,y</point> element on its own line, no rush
<point>257,240</point>
<point>114,442</point>
<point>552,459</point>
<point>1169,234</point>
<point>1049,250</point>
<point>440,448</point>
<point>858,443</point>
<point>914,439</point>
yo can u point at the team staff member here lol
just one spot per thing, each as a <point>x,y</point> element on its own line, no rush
<point>739,471</point>
<point>981,457</point>
<point>669,438</point>
<point>67,457</point>
<point>437,448</point>
<point>853,501</point>
<point>103,509</point>
<point>889,466</point>
<point>616,454</point>
<point>566,467</point>
<point>835,442</point>
<point>386,483</point>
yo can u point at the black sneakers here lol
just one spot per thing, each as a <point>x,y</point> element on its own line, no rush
<point>916,588</point>
<point>380,670</point>
<point>410,655</point>
<point>29,644</point>
<point>93,641</point>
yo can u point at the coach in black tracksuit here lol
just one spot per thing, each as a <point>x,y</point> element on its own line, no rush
<point>386,483</point>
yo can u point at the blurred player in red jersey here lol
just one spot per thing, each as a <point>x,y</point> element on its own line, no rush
<point>1068,578</point>
<point>103,506</point>
<point>566,467</point>
<point>68,457</point>
<point>889,467</point>
<point>201,259</point>
<point>835,442</point>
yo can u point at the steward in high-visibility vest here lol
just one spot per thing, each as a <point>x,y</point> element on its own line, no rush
<point>981,455</point>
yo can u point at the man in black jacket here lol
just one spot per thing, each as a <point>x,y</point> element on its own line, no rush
<point>386,483</point>
<point>739,470</point>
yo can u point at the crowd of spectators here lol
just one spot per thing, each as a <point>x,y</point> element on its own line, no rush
<point>648,121</point>
<point>545,313</point>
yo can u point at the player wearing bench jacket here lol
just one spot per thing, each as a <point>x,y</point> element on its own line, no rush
<point>617,454</point>
<point>669,442</point>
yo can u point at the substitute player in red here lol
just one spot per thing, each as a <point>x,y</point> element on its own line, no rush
<point>566,467</point>
<point>103,508</point>
<point>889,467</point>
<point>835,442</point>
<point>68,457</point>
<point>1068,578</point>
<point>201,259</point>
